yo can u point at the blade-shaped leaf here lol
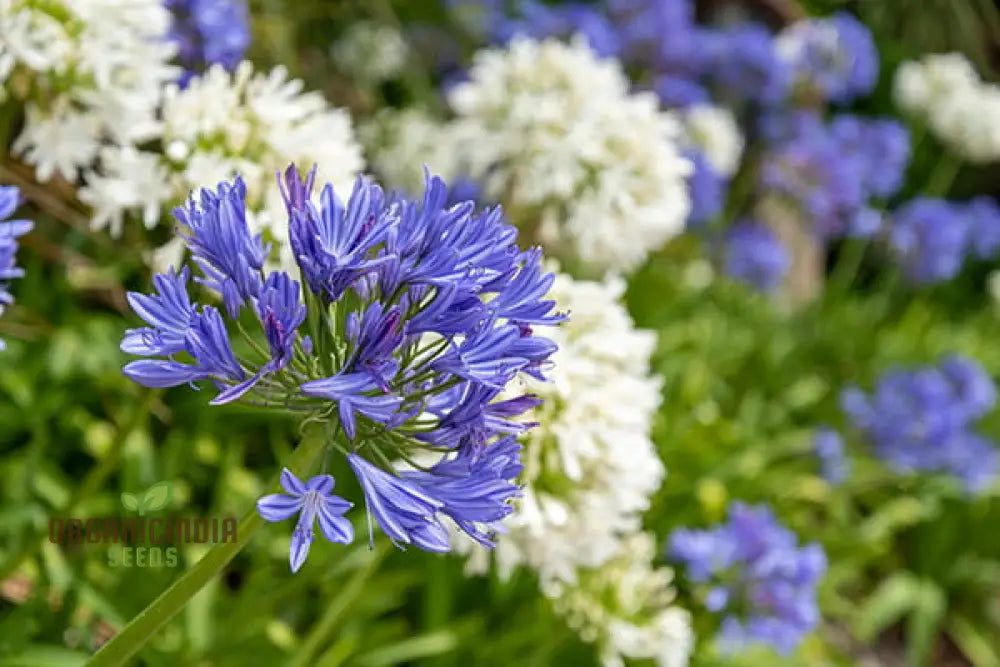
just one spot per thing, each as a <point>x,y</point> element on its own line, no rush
<point>889,603</point>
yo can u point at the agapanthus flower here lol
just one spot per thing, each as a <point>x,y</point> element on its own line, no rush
<point>743,65</point>
<point>755,255</point>
<point>411,318</point>
<point>755,575</point>
<point>10,230</point>
<point>830,171</point>
<point>595,172</point>
<point>833,57</point>
<point>828,446</point>
<point>209,32</point>
<point>311,500</point>
<point>922,419</point>
<point>930,238</point>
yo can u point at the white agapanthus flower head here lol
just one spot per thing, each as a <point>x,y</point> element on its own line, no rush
<point>716,134</point>
<point>586,167</point>
<point>945,92</point>
<point>399,143</point>
<point>625,608</point>
<point>226,123</point>
<point>590,468</point>
<point>372,52</point>
<point>89,73</point>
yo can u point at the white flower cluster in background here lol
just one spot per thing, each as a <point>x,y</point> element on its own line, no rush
<point>401,142</point>
<point>223,124</point>
<point>590,170</point>
<point>715,133</point>
<point>625,608</point>
<point>89,73</point>
<point>590,470</point>
<point>372,52</point>
<point>945,92</point>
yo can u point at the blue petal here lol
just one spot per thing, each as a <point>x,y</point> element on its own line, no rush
<point>278,507</point>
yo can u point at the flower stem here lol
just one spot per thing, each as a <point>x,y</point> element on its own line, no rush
<point>942,176</point>
<point>151,620</point>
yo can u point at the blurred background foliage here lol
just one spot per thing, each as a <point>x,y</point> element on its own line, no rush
<point>915,576</point>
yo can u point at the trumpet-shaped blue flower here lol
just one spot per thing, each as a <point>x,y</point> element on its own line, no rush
<point>311,501</point>
<point>412,318</point>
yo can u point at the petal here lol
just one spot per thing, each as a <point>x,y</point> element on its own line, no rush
<point>237,390</point>
<point>335,527</point>
<point>159,373</point>
<point>299,548</point>
<point>322,484</point>
<point>292,484</point>
<point>278,507</point>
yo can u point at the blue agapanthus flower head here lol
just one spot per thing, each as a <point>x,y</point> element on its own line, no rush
<point>755,574</point>
<point>755,255</point>
<point>10,231</point>
<point>209,32</point>
<point>411,318</point>
<point>922,419</point>
<point>743,64</point>
<point>930,238</point>
<point>834,58</point>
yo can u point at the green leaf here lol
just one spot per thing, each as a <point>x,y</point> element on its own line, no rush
<point>41,655</point>
<point>925,622</point>
<point>974,641</point>
<point>156,497</point>
<point>130,502</point>
<point>888,604</point>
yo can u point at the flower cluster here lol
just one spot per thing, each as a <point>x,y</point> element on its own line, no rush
<point>944,92</point>
<point>755,255</point>
<point>756,574</point>
<point>89,73</point>
<point>932,238</point>
<point>412,318</point>
<point>553,133</point>
<point>922,420</point>
<point>590,469</point>
<point>833,58</point>
<point>209,32</point>
<point>626,608</point>
<point>830,172</point>
<point>714,145</point>
<point>219,125</point>
<point>10,230</point>
<point>371,52</point>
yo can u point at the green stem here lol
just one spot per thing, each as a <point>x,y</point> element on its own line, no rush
<point>846,270</point>
<point>942,176</point>
<point>150,620</point>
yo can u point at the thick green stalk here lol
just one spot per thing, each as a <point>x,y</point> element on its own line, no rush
<point>151,620</point>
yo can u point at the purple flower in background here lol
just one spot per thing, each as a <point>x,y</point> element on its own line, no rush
<point>707,189</point>
<point>311,501</point>
<point>829,449</point>
<point>921,420</point>
<point>743,65</point>
<point>10,230</point>
<point>881,148</point>
<point>209,32</point>
<point>756,575</point>
<point>753,254</point>
<point>984,226</point>
<point>833,57</point>
<point>415,314</point>
<point>811,169</point>
<point>930,238</point>
<point>679,91</point>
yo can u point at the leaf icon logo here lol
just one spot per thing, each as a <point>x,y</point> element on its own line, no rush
<point>152,499</point>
